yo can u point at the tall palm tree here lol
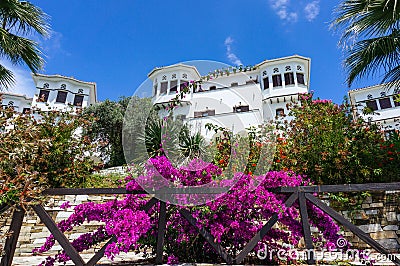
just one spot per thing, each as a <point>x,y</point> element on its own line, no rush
<point>371,38</point>
<point>18,21</point>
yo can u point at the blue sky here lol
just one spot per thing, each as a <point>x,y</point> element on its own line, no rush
<point>117,43</point>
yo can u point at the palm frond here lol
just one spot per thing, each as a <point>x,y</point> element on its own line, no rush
<point>191,146</point>
<point>392,78</point>
<point>366,18</point>
<point>19,49</point>
<point>367,57</point>
<point>6,78</point>
<point>23,16</point>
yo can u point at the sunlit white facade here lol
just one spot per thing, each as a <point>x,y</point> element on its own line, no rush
<point>234,98</point>
<point>53,92</point>
<point>377,104</point>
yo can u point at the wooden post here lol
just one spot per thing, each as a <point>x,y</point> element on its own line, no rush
<point>99,254</point>
<point>162,222</point>
<point>306,229</point>
<point>12,239</point>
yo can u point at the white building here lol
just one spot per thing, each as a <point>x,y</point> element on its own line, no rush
<point>234,98</point>
<point>377,104</point>
<point>56,92</point>
<point>20,103</point>
<point>53,92</point>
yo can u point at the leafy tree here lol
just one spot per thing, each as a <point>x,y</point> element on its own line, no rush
<point>323,142</point>
<point>371,38</point>
<point>18,19</point>
<point>39,153</point>
<point>108,127</point>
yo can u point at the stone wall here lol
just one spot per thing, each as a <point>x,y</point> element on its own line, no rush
<point>379,216</point>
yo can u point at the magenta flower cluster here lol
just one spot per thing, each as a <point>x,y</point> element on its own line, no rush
<point>321,101</point>
<point>122,218</point>
<point>233,219</point>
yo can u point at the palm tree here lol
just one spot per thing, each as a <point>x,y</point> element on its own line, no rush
<point>18,20</point>
<point>371,38</point>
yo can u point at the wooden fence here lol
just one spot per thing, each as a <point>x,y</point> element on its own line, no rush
<point>302,194</point>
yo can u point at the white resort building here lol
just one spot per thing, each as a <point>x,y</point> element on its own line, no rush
<point>236,98</point>
<point>53,92</point>
<point>377,104</point>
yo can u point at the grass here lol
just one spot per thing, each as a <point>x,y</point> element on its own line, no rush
<point>105,181</point>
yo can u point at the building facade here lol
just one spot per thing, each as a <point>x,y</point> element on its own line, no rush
<point>20,103</point>
<point>377,104</point>
<point>54,92</point>
<point>234,98</point>
<point>57,92</point>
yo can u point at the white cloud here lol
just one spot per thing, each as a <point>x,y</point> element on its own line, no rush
<point>281,8</point>
<point>51,45</point>
<point>312,10</point>
<point>276,4</point>
<point>23,80</point>
<point>289,12</point>
<point>231,56</point>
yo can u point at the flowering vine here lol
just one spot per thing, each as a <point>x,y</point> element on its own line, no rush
<point>232,219</point>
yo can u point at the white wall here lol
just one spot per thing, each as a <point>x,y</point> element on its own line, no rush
<point>19,102</point>
<point>262,103</point>
<point>387,118</point>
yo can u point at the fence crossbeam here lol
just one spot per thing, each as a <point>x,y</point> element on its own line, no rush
<point>58,235</point>
<point>340,188</point>
<point>208,236</point>
<point>353,228</point>
<point>263,231</point>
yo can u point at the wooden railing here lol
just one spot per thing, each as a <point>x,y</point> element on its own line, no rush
<point>302,194</point>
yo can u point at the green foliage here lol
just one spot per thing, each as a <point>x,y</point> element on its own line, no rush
<point>323,142</point>
<point>104,181</point>
<point>191,146</point>
<point>108,126</point>
<point>153,137</point>
<point>167,136</point>
<point>18,19</point>
<point>39,153</point>
<point>251,152</point>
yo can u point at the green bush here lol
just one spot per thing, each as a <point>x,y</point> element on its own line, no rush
<point>326,144</point>
<point>48,151</point>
